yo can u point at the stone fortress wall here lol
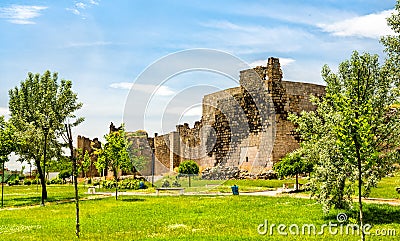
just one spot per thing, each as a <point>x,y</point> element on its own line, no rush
<point>244,128</point>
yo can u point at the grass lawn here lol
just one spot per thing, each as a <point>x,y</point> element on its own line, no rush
<point>199,185</point>
<point>183,218</point>
<point>31,195</point>
<point>387,187</point>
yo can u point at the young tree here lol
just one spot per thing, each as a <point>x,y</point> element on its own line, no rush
<point>188,167</point>
<point>39,108</point>
<point>8,145</point>
<point>356,130</point>
<point>293,164</point>
<point>115,155</point>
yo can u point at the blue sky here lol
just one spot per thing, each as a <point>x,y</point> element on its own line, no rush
<point>103,46</point>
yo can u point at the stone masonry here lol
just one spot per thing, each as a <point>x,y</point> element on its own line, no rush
<point>244,129</point>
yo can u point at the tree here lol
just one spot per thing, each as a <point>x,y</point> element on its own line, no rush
<point>293,164</point>
<point>8,145</point>
<point>85,161</point>
<point>115,155</point>
<point>354,128</point>
<point>39,108</point>
<point>392,44</point>
<point>188,167</point>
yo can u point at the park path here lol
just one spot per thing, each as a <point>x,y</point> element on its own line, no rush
<point>271,193</point>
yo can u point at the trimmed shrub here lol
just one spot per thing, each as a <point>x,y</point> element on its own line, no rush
<point>188,167</point>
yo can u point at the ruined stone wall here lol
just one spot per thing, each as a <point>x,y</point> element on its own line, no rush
<point>142,146</point>
<point>86,144</point>
<point>244,127</point>
<point>297,99</point>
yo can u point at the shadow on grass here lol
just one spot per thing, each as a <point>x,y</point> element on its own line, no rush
<point>372,214</point>
<point>132,199</point>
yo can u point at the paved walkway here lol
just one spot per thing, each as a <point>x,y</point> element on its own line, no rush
<point>271,193</point>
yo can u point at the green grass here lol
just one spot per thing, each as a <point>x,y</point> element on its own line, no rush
<point>387,187</point>
<point>181,218</point>
<point>223,186</point>
<point>31,195</point>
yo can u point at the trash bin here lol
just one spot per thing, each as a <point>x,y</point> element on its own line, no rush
<point>235,190</point>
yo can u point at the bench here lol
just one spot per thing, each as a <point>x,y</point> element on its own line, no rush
<point>181,190</point>
<point>91,190</point>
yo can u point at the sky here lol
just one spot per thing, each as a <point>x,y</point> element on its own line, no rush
<point>104,46</point>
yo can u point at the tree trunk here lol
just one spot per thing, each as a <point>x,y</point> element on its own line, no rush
<point>359,199</point>
<point>297,182</point>
<point>358,148</point>
<point>75,176</point>
<point>116,184</point>
<point>2,187</point>
<point>189,181</point>
<point>42,181</point>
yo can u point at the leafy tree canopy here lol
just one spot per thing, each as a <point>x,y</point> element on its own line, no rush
<point>188,167</point>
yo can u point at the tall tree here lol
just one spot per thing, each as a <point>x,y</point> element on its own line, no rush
<point>8,145</point>
<point>392,44</point>
<point>115,155</point>
<point>360,128</point>
<point>39,107</point>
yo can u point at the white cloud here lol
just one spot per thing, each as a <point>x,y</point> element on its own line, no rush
<point>21,14</point>
<point>93,2</point>
<point>263,62</point>
<point>80,5</point>
<point>73,10</point>
<point>157,90</point>
<point>368,26</point>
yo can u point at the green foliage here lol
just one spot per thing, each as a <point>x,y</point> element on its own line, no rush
<point>353,124</point>
<point>115,153</point>
<point>165,183</point>
<point>130,184</point>
<point>56,181</point>
<point>27,182</point>
<point>64,174</point>
<point>14,182</point>
<point>8,142</point>
<point>85,160</point>
<point>188,167</point>
<point>59,164</point>
<point>292,164</point>
<point>39,108</point>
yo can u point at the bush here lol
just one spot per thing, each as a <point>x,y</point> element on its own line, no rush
<point>56,181</point>
<point>27,182</point>
<point>131,184</point>
<point>165,183</point>
<point>188,167</point>
<point>13,182</point>
<point>176,184</point>
<point>64,174</point>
